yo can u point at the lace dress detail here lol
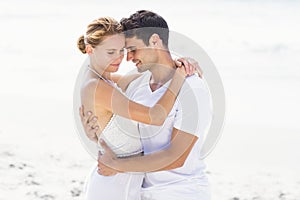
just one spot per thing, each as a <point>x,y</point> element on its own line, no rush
<point>120,134</point>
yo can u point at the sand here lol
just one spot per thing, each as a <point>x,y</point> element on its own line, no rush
<point>254,44</point>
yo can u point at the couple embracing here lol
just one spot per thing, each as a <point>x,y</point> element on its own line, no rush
<point>149,126</point>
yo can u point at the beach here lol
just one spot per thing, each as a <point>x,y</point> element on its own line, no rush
<point>253,44</point>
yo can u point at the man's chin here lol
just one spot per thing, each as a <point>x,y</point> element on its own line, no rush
<point>141,70</point>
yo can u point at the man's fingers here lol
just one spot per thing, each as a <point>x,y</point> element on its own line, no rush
<point>92,123</point>
<point>104,145</point>
<point>81,112</point>
<point>93,137</point>
<point>104,172</point>
<point>99,156</point>
<point>101,167</point>
<point>88,116</point>
<point>107,150</point>
<point>85,118</point>
<point>89,122</point>
<point>92,133</point>
<point>93,130</point>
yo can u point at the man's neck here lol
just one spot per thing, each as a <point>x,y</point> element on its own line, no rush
<point>162,71</point>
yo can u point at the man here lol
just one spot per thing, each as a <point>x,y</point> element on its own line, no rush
<point>179,174</point>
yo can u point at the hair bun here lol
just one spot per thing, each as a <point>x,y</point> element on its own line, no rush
<point>81,44</point>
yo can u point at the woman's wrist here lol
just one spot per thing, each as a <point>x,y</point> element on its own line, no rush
<point>178,78</point>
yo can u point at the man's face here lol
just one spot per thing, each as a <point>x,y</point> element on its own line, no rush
<point>138,52</point>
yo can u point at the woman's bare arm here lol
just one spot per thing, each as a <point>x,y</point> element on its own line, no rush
<point>111,99</point>
<point>124,81</point>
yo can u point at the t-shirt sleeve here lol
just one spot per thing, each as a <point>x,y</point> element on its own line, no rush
<point>194,112</point>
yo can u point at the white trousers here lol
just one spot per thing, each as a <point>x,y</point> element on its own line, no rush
<point>184,190</point>
<point>122,186</point>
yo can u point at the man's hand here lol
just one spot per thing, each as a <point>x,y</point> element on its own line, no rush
<point>89,122</point>
<point>191,66</point>
<point>106,160</point>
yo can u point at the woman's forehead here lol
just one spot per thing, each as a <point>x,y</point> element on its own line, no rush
<point>113,41</point>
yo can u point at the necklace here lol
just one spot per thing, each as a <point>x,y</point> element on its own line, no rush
<point>100,76</point>
<point>95,72</point>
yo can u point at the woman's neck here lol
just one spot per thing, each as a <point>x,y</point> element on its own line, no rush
<point>101,73</point>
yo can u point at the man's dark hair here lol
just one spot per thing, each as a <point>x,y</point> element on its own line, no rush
<point>143,24</point>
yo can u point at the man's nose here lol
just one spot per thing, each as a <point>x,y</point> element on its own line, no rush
<point>129,56</point>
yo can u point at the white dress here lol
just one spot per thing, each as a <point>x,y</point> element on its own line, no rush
<point>122,136</point>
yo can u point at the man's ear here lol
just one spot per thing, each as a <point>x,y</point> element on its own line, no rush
<point>89,49</point>
<point>155,41</point>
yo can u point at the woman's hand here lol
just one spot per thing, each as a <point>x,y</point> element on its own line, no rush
<point>190,65</point>
<point>181,71</point>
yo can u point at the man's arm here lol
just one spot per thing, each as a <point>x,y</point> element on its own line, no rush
<point>170,158</point>
<point>192,118</point>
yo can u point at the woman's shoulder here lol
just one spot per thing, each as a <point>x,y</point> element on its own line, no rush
<point>89,86</point>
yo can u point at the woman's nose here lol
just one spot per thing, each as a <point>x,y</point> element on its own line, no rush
<point>119,58</point>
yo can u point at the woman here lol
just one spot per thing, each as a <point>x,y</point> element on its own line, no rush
<point>104,43</point>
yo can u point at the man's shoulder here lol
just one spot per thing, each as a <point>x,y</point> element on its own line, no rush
<point>142,79</point>
<point>193,82</point>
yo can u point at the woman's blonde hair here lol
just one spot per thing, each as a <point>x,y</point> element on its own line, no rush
<point>97,31</point>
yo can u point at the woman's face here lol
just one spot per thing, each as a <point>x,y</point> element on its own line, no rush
<point>108,55</point>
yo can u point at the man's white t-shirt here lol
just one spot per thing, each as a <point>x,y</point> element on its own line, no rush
<point>191,113</point>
